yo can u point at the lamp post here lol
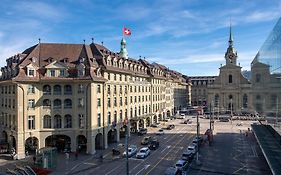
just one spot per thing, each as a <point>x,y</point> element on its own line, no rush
<point>231,110</point>
<point>126,145</point>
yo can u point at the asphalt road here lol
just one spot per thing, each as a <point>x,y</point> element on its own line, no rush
<point>172,145</point>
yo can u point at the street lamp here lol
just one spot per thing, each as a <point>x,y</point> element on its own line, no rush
<point>231,110</point>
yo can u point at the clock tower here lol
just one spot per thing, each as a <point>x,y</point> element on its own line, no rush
<point>231,53</point>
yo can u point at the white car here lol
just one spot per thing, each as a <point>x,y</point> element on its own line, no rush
<point>191,149</point>
<point>160,132</point>
<point>143,153</point>
<point>132,150</point>
<point>182,165</point>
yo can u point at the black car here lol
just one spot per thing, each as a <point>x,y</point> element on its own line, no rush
<point>154,144</point>
<point>142,131</point>
<point>146,140</point>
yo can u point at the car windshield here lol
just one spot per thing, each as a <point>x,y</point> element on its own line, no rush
<point>130,149</point>
<point>142,151</point>
<point>190,148</point>
<point>179,165</point>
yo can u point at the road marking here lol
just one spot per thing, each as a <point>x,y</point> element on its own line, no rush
<point>166,154</point>
<point>79,164</point>
<point>165,148</point>
<point>112,170</point>
<point>136,159</point>
<point>144,168</point>
<point>88,163</point>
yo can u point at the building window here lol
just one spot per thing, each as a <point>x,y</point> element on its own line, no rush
<point>114,77</point>
<point>120,91</point>
<point>115,117</point>
<point>31,89</point>
<point>108,76</point>
<point>258,78</point>
<point>57,104</point>
<point>115,102</point>
<point>47,121</point>
<point>108,118</point>
<point>31,122</point>
<point>57,121</point>
<point>98,89</point>
<point>81,121</point>
<point>229,78</point>
<point>46,90</point>
<point>108,102</point>
<point>131,99</point>
<point>57,90</point>
<point>121,103</point>
<point>258,97</point>
<point>80,89</point>
<point>31,104</point>
<point>52,73</point>
<point>108,89</point>
<point>115,89</point>
<point>62,74</point>
<point>99,120</point>
<point>67,104</point>
<point>121,116</point>
<point>80,102</point>
<point>273,100</point>
<point>216,100</point>
<point>31,72</point>
<point>245,101</point>
<point>126,100</point>
<point>67,90</point>
<point>67,121</point>
<point>99,102</point>
<point>46,103</point>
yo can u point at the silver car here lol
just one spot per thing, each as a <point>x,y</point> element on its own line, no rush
<point>132,150</point>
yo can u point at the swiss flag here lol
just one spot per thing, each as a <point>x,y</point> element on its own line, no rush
<point>126,31</point>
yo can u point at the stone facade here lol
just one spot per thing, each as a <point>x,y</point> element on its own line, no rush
<point>76,96</point>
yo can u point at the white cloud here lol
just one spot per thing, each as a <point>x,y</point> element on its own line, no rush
<point>259,16</point>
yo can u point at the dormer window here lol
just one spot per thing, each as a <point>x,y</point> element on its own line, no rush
<point>31,72</point>
<point>62,74</point>
<point>52,73</point>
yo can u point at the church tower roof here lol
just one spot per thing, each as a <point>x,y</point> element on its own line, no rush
<point>123,51</point>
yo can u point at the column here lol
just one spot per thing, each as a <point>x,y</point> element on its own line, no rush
<point>73,145</point>
<point>105,138</point>
<point>118,134</point>
<point>20,150</point>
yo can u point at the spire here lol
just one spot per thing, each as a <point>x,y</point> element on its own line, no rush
<point>123,50</point>
<point>230,41</point>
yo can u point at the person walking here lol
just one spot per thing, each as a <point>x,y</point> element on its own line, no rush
<point>34,159</point>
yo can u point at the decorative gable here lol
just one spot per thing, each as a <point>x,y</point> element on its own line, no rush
<point>57,69</point>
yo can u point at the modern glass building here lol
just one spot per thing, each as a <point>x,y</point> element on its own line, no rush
<point>270,52</point>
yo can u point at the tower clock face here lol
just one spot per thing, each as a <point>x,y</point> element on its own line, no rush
<point>231,56</point>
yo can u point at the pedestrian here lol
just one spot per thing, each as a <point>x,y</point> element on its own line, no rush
<point>101,157</point>
<point>34,159</point>
<point>76,155</point>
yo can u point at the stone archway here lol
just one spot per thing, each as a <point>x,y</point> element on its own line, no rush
<point>61,142</point>
<point>168,113</point>
<point>99,141</point>
<point>141,123</point>
<point>81,143</point>
<point>31,145</point>
<point>148,122</point>
<point>5,137</point>
<point>122,132</point>
<point>112,136</point>
<point>155,118</point>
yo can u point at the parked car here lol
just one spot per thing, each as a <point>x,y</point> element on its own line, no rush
<point>192,149</point>
<point>146,140</point>
<point>181,116</point>
<point>172,171</point>
<point>154,144</point>
<point>182,165</point>
<point>187,155</point>
<point>132,150</point>
<point>142,131</point>
<point>143,153</point>
<point>160,132</point>
<point>224,120</point>
<point>197,140</point>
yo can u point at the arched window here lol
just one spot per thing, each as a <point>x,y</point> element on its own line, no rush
<point>47,121</point>
<point>115,116</point>
<point>57,104</point>
<point>258,78</point>
<point>67,103</point>
<point>57,121</point>
<point>229,78</point>
<point>46,103</point>
<point>57,90</point>
<point>245,101</point>
<point>136,112</point>
<point>67,90</point>
<point>67,121</point>
<point>46,90</point>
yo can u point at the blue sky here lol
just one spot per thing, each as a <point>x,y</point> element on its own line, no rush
<point>189,36</point>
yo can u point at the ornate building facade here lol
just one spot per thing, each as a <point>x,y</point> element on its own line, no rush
<point>230,92</point>
<point>77,96</point>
